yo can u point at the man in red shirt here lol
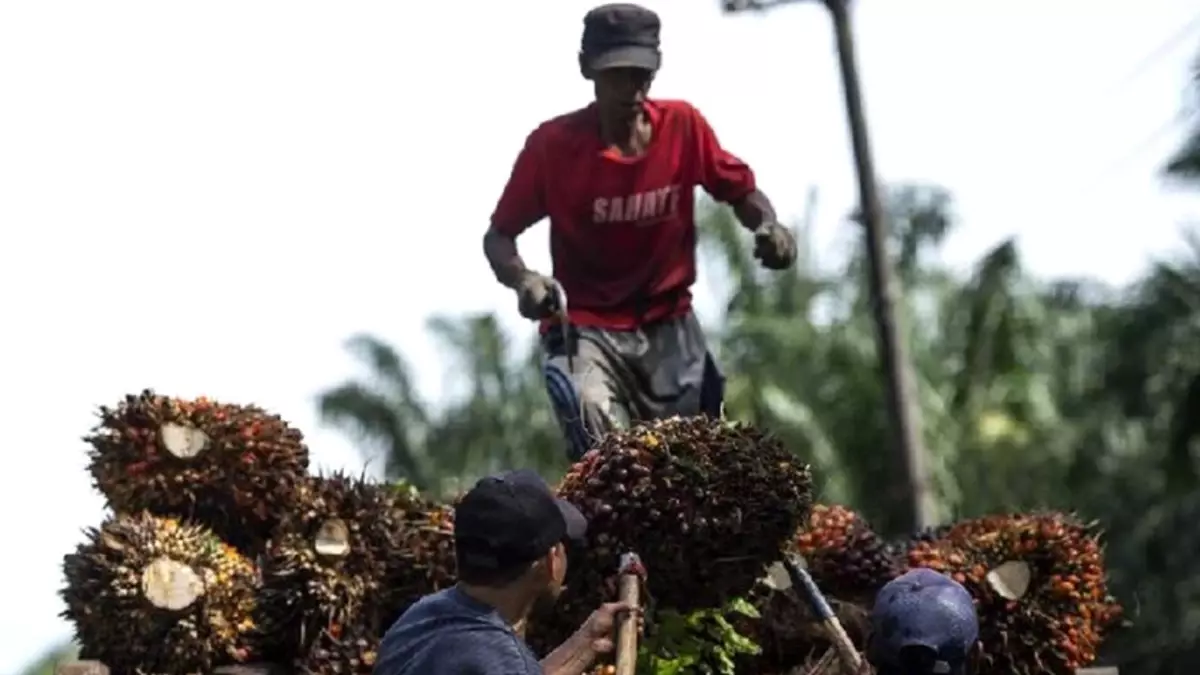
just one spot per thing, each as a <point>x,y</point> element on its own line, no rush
<point>616,179</point>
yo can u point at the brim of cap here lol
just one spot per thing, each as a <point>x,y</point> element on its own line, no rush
<point>889,652</point>
<point>897,669</point>
<point>942,666</point>
<point>645,58</point>
<point>576,523</point>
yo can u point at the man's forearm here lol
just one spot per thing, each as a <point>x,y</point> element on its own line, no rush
<point>572,657</point>
<point>753,210</point>
<point>502,255</point>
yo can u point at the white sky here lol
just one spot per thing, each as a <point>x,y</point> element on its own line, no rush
<point>209,197</point>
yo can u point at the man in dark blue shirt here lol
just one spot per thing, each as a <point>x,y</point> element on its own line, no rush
<point>510,534</point>
<point>923,623</point>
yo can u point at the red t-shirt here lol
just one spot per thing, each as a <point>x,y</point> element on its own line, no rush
<point>622,229</point>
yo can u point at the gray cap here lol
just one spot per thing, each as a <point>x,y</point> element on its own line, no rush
<point>621,36</point>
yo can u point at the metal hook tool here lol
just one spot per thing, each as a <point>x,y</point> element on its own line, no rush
<point>559,307</point>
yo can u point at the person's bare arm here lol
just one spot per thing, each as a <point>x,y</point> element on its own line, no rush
<point>572,657</point>
<point>753,210</point>
<point>521,205</point>
<point>505,260</point>
<point>596,636</point>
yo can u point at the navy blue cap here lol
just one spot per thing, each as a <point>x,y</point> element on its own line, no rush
<point>621,36</point>
<point>923,608</point>
<point>512,519</point>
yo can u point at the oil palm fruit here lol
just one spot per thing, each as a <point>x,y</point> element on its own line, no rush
<point>349,650</point>
<point>1040,589</point>
<point>899,548</point>
<point>845,557</point>
<point>157,595</point>
<point>325,571</point>
<point>425,561</point>
<point>707,505</point>
<point>232,468</point>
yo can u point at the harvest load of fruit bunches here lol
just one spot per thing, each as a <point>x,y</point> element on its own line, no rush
<point>222,549</point>
<point>1038,581</point>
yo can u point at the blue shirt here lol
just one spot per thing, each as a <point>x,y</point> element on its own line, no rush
<point>449,633</point>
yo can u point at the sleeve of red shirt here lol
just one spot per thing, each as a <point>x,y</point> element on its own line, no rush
<point>722,174</point>
<point>523,201</point>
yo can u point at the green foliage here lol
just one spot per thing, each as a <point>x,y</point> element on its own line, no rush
<point>405,490</point>
<point>701,643</point>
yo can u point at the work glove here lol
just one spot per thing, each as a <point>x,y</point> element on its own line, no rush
<point>774,246</point>
<point>536,296</point>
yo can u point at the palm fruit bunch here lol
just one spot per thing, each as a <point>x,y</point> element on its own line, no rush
<point>707,505</point>
<point>427,563</point>
<point>846,558</point>
<point>324,572</point>
<point>157,595</point>
<point>1039,586</point>
<point>352,650</point>
<point>233,468</point>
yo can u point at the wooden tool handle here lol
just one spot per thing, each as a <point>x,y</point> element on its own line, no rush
<point>850,657</point>
<point>806,588</point>
<point>627,632</point>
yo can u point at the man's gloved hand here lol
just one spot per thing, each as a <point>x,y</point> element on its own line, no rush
<point>535,296</point>
<point>774,246</point>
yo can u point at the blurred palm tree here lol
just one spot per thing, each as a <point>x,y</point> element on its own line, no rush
<point>801,355</point>
<point>503,420</point>
<point>1185,163</point>
<point>384,411</point>
<point>500,420</point>
<point>1151,383</point>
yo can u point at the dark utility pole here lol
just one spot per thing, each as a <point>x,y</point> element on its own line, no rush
<point>893,347</point>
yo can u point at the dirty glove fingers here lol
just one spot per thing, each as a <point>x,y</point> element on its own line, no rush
<point>762,241</point>
<point>529,304</point>
<point>762,246</point>
<point>548,307</point>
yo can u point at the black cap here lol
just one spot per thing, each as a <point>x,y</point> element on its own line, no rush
<point>621,36</point>
<point>510,520</point>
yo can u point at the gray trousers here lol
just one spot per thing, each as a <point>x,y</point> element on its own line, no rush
<point>615,378</point>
